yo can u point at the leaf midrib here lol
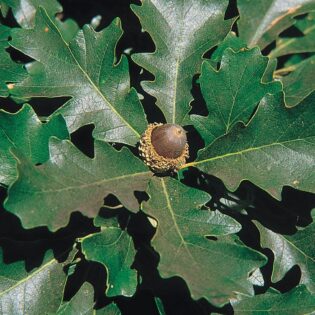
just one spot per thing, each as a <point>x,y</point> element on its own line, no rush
<point>178,61</point>
<point>82,186</point>
<point>28,277</point>
<point>170,208</point>
<point>241,152</point>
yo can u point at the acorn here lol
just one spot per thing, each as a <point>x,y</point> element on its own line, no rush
<point>164,147</point>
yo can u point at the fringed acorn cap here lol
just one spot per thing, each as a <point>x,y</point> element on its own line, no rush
<point>164,147</point>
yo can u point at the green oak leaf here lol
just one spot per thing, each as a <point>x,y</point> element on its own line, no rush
<point>233,92</point>
<point>39,291</point>
<point>113,248</point>
<point>262,21</point>
<point>275,149</point>
<point>10,71</point>
<point>25,132</point>
<point>211,269</point>
<point>291,250</point>
<point>298,301</point>
<point>182,32</point>
<point>70,181</point>
<point>83,69</point>
<point>293,45</point>
<point>300,82</point>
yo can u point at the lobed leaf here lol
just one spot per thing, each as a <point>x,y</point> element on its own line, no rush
<point>275,149</point>
<point>233,92</point>
<point>83,69</point>
<point>298,44</point>
<point>261,22</point>
<point>291,250</point>
<point>182,32</point>
<point>37,292</point>
<point>113,248</point>
<point>299,83</point>
<point>212,269</point>
<point>70,181</point>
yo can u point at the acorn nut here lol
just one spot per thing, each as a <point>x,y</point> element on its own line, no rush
<point>164,147</point>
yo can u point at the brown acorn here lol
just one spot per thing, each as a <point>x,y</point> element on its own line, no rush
<point>164,147</point>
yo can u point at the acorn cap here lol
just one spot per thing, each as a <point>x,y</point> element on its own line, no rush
<point>164,147</point>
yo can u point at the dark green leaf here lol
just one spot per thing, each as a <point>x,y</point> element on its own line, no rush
<point>233,92</point>
<point>262,21</point>
<point>70,181</point>
<point>84,70</point>
<point>298,301</point>
<point>275,149</point>
<point>293,45</point>
<point>291,250</point>
<point>113,248</point>
<point>182,32</point>
<point>212,269</point>
<point>300,82</point>
<point>25,132</point>
<point>37,292</point>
